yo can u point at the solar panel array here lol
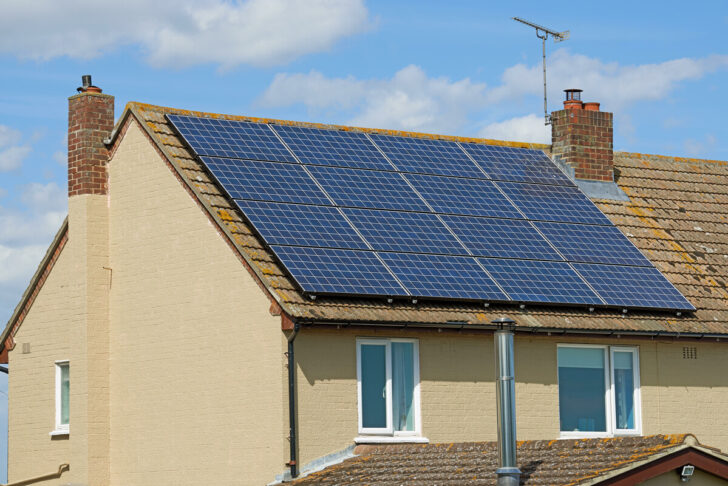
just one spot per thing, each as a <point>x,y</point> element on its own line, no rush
<point>352,213</point>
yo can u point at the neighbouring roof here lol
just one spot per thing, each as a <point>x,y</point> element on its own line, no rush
<point>676,215</point>
<point>552,463</point>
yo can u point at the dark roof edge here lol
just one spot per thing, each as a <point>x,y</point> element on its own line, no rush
<point>464,326</point>
<point>34,282</point>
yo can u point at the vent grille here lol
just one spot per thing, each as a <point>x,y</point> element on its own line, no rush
<point>690,352</point>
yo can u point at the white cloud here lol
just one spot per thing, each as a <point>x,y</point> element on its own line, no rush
<point>179,33</point>
<point>529,128</point>
<point>61,157</point>
<point>8,136</point>
<point>44,197</point>
<point>12,155</point>
<point>410,100</point>
<point>698,148</point>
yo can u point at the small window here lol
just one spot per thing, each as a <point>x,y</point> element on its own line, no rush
<point>388,386</point>
<point>598,391</point>
<point>63,391</point>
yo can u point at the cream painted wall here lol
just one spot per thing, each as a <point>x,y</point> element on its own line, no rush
<point>458,391</point>
<point>197,360</point>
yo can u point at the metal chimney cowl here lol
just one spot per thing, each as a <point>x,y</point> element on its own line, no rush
<point>507,472</point>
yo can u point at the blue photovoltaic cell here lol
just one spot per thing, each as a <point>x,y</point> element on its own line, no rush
<point>516,164</point>
<point>633,286</point>
<point>427,156</point>
<point>474,197</point>
<point>442,276</point>
<point>501,238</point>
<point>299,224</point>
<point>367,188</point>
<point>407,232</point>
<point>229,138</point>
<point>266,181</point>
<point>328,270</point>
<point>332,147</point>
<point>553,203</point>
<point>592,244</point>
<point>536,281</point>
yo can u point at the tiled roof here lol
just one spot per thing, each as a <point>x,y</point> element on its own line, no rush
<point>552,463</point>
<point>677,216</point>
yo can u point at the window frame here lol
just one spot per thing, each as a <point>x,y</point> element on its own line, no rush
<point>388,431</point>
<point>61,428</point>
<point>609,393</point>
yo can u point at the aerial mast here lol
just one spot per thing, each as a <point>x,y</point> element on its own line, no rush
<point>543,34</point>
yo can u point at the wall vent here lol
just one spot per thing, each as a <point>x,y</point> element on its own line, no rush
<point>690,352</point>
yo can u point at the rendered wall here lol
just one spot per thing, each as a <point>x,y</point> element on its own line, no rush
<point>458,390</point>
<point>197,360</point>
<point>672,478</point>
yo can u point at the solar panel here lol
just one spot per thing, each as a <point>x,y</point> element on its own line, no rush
<point>327,270</point>
<point>427,156</point>
<point>463,196</point>
<point>553,203</point>
<point>443,276</point>
<point>501,238</point>
<point>592,244</point>
<point>516,164</point>
<point>405,232</point>
<point>230,138</point>
<point>332,147</point>
<point>265,181</point>
<point>299,224</point>
<point>367,188</point>
<point>537,281</point>
<point>625,286</point>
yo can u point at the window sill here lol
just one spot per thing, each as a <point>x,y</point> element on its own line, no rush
<point>597,435</point>
<point>378,439</point>
<point>56,433</point>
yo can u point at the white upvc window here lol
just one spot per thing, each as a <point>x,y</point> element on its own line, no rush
<point>388,387</point>
<point>63,391</point>
<point>599,390</point>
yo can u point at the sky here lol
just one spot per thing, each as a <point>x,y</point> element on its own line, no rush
<point>458,68</point>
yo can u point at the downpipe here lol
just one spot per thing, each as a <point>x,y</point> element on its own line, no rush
<point>292,439</point>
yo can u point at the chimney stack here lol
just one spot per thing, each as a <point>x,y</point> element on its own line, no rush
<point>90,121</point>
<point>507,472</point>
<point>582,138</point>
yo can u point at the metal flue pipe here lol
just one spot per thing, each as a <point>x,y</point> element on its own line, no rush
<point>507,472</point>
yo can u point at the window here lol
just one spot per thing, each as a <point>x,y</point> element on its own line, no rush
<point>598,390</point>
<point>388,382</point>
<point>63,390</point>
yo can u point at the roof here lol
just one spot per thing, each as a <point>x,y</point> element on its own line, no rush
<point>676,215</point>
<point>553,463</point>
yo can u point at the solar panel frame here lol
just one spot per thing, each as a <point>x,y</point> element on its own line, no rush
<point>217,137</point>
<point>469,197</point>
<point>332,147</point>
<point>443,276</point>
<point>635,287</point>
<point>427,156</point>
<point>536,281</point>
<point>282,182</point>
<point>292,224</point>
<point>368,188</point>
<point>337,271</point>
<point>404,231</point>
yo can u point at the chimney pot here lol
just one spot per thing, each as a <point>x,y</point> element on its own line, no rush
<point>86,86</point>
<point>591,106</point>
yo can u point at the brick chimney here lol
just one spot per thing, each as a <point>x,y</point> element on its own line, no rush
<point>582,137</point>
<point>90,121</point>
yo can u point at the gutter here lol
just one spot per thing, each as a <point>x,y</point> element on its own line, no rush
<point>292,439</point>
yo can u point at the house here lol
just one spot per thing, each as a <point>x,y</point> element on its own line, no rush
<point>161,340</point>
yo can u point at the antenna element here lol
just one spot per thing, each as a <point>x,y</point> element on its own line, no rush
<point>543,33</point>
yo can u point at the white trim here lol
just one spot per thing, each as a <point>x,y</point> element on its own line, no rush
<point>609,394</point>
<point>388,431</point>
<point>60,429</point>
<point>397,439</point>
<point>55,433</point>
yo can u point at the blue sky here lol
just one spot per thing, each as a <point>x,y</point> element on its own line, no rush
<point>458,67</point>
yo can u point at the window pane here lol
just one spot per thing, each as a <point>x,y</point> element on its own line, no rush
<point>403,385</point>
<point>581,389</point>
<point>373,386</point>
<point>65,393</point>
<point>624,389</point>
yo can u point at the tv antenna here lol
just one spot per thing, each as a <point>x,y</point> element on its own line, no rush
<point>543,34</point>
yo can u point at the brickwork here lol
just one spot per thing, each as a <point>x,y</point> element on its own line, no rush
<point>90,121</point>
<point>583,138</point>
